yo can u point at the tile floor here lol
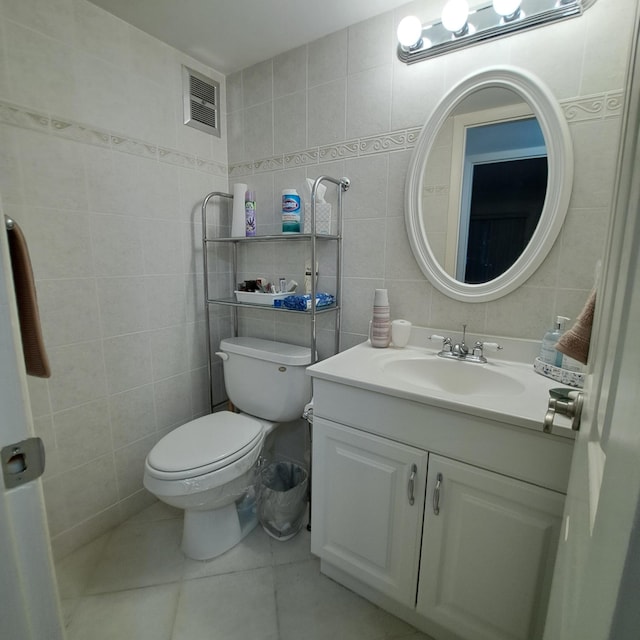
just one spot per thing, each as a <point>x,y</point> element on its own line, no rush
<point>134,582</point>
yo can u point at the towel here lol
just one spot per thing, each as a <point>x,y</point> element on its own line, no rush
<point>35,356</point>
<point>575,342</point>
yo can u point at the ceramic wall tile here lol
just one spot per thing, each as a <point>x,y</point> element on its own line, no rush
<point>257,84</point>
<point>132,415</point>
<point>369,102</point>
<point>40,71</point>
<point>78,374</point>
<point>127,361</point>
<point>122,308</point>
<point>371,43</point>
<point>290,72</point>
<point>69,309</point>
<point>328,58</point>
<point>85,430</point>
<point>258,131</point>
<point>290,122</point>
<point>90,488</point>
<point>327,113</point>
<point>173,400</point>
<point>169,351</point>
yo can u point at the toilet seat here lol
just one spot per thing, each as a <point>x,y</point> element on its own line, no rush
<point>204,445</point>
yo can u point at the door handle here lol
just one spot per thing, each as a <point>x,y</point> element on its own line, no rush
<point>412,484</point>
<point>566,402</point>
<point>436,494</point>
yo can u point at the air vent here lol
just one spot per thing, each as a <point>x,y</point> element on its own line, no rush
<point>201,96</point>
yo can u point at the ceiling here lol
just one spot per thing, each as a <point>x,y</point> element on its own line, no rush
<point>229,35</point>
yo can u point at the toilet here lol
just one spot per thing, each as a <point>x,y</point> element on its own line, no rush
<point>206,466</point>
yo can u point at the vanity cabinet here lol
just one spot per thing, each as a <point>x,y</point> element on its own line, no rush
<point>460,551</point>
<point>488,551</point>
<point>371,504</point>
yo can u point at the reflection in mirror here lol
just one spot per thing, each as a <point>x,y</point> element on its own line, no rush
<point>485,184</point>
<point>489,184</point>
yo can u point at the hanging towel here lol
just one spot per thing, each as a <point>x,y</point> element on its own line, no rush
<point>35,356</point>
<point>575,342</point>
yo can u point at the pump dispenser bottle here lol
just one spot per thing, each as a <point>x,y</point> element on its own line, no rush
<point>548,352</point>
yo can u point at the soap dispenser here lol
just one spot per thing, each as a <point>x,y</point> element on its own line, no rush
<point>548,352</point>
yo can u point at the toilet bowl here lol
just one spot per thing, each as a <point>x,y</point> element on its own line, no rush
<point>207,465</point>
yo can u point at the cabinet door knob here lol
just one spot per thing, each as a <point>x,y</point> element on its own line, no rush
<point>436,494</point>
<point>412,482</point>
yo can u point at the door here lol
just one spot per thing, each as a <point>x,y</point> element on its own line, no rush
<point>28,594</point>
<point>368,501</point>
<point>488,549</point>
<point>595,585</point>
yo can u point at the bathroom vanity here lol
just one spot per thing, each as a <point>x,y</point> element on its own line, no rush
<point>436,493</point>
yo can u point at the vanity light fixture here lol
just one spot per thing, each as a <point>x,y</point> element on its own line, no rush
<point>460,26</point>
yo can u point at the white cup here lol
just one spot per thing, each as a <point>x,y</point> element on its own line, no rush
<point>400,333</point>
<point>381,298</point>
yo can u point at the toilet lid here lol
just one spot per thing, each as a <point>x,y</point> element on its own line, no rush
<point>205,444</point>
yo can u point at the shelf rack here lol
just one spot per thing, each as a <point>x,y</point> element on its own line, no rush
<point>342,185</point>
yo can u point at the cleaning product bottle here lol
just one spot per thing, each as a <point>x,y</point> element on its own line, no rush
<point>250,213</point>
<point>290,211</point>
<point>548,352</point>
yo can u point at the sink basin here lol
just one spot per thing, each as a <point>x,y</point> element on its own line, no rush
<point>453,376</point>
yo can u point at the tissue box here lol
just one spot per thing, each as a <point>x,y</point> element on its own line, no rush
<point>323,217</point>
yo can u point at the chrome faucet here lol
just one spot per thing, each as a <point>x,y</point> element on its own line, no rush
<point>460,350</point>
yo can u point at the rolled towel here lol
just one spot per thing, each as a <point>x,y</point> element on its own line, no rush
<point>575,342</point>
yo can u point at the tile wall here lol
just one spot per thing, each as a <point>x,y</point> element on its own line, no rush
<point>344,105</point>
<point>106,182</point>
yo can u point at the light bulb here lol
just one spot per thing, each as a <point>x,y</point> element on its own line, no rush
<point>454,15</point>
<point>507,8</point>
<point>409,32</point>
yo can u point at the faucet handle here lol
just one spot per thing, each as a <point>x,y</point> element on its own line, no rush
<point>446,342</point>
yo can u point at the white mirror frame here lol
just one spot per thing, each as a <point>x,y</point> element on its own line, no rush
<point>560,180</point>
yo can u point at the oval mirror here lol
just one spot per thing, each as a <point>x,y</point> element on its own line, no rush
<point>489,184</point>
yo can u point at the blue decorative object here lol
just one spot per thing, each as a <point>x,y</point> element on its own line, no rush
<point>302,302</point>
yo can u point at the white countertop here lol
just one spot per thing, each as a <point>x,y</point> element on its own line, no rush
<point>363,366</point>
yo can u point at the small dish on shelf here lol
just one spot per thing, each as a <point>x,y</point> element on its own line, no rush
<point>256,297</point>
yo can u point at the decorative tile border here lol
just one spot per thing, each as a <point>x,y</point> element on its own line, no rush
<point>301,158</point>
<point>378,144</point>
<point>335,152</point>
<point>135,147</point>
<point>268,164</point>
<point>24,118</point>
<point>80,133</point>
<point>171,156</point>
<point>605,105</point>
<point>595,107</point>
<point>412,137</point>
<point>614,104</point>
<point>19,117</point>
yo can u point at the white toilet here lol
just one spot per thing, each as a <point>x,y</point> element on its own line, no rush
<point>205,466</point>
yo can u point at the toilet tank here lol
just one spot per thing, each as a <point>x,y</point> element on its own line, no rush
<point>266,379</point>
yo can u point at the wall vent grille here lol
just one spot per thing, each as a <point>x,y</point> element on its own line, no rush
<point>201,98</point>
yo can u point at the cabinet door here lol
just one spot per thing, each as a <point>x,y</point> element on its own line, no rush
<point>367,507</point>
<point>488,552</point>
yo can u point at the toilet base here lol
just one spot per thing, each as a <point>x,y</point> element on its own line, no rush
<point>207,534</point>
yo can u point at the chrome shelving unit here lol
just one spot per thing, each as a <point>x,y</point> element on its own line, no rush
<point>312,238</point>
